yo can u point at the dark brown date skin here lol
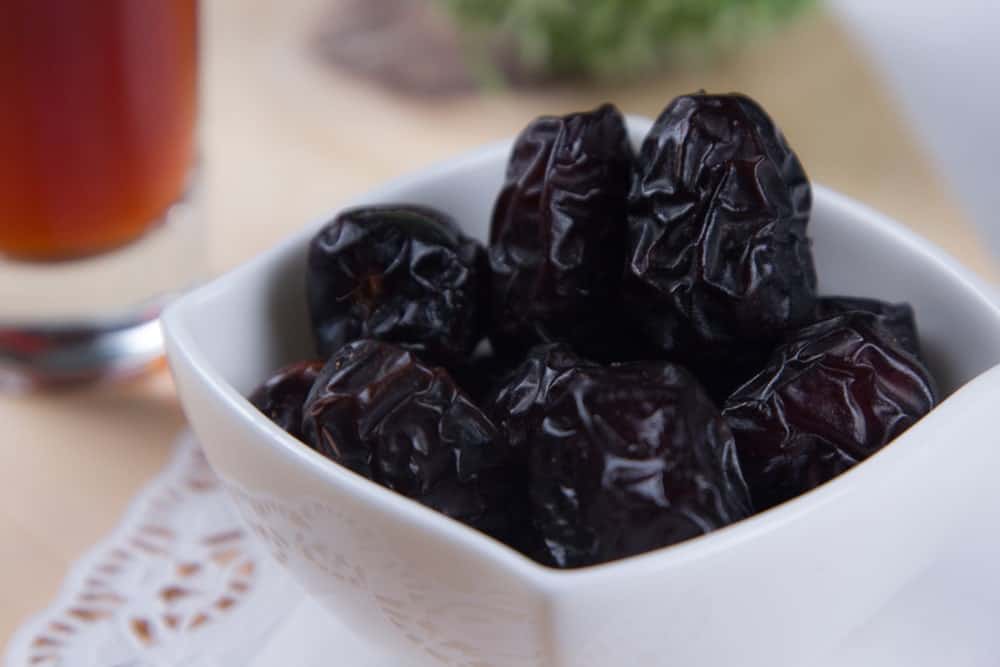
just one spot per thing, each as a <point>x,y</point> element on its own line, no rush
<point>518,404</point>
<point>621,459</point>
<point>718,261</point>
<point>836,393</point>
<point>721,379</point>
<point>398,273</point>
<point>381,412</point>
<point>282,395</point>
<point>558,231</point>
<point>897,318</point>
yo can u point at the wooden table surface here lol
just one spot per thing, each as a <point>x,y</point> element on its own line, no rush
<point>286,138</point>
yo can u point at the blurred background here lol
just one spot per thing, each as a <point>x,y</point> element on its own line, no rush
<point>307,102</point>
<point>168,140</point>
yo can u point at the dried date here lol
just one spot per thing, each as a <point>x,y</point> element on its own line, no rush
<point>836,393</point>
<point>398,273</point>
<point>518,404</point>
<point>620,459</point>
<point>282,396</point>
<point>558,231</point>
<point>718,261</point>
<point>378,410</point>
<point>897,318</point>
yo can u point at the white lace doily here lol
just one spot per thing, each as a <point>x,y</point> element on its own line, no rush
<point>166,588</point>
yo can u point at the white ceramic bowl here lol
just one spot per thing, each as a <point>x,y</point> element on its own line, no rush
<point>779,588</point>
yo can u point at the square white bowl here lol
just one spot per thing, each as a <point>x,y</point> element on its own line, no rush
<point>776,589</point>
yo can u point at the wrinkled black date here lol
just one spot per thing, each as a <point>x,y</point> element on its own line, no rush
<point>897,318</point>
<point>378,410</point>
<point>518,404</point>
<point>282,395</point>
<point>398,273</point>
<point>718,261</point>
<point>558,231</point>
<point>837,392</point>
<point>620,459</point>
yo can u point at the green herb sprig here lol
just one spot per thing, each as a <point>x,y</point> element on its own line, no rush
<point>614,38</point>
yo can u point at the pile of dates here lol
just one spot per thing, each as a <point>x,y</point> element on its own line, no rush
<point>637,357</point>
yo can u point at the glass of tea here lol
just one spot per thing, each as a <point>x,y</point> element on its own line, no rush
<point>98,113</point>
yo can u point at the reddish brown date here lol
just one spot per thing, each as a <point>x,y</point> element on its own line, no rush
<point>282,395</point>
<point>557,236</point>
<point>398,273</point>
<point>620,459</point>
<point>718,262</point>
<point>378,410</point>
<point>837,392</point>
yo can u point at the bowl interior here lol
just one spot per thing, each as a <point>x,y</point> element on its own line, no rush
<point>253,320</point>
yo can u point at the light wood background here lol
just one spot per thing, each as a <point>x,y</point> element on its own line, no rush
<point>286,139</point>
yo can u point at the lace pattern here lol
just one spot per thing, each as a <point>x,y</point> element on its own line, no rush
<point>177,571</point>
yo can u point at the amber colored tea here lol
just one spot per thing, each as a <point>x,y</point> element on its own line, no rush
<point>97,113</point>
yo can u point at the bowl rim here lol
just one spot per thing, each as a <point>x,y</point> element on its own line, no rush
<point>544,578</point>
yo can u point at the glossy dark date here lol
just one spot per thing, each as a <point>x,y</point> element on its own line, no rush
<point>718,261</point>
<point>721,378</point>
<point>518,404</point>
<point>897,318</point>
<point>282,395</point>
<point>558,231</point>
<point>837,392</point>
<point>378,410</point>
<point>620,459</point>
<point>397,273</point>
